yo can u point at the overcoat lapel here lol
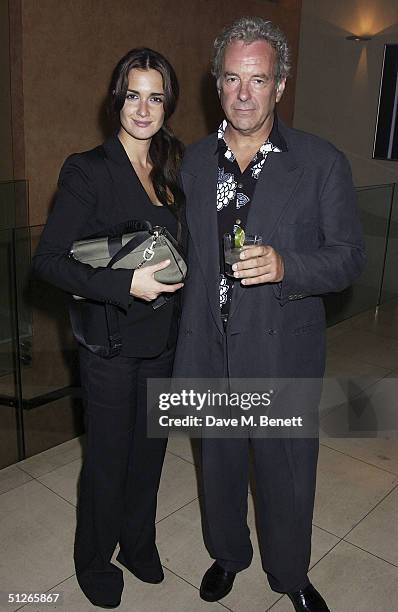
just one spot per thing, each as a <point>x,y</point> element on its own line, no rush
<point>200,184</point>
<point>276,184</point>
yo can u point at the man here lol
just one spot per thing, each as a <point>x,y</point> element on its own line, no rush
<point>295,190</point>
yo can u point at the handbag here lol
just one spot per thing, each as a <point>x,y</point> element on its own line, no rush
<point>146,246</point>
<point>142,246</point>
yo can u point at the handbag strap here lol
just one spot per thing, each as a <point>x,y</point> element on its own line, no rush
<point>179,230</point>
<point>115,340</point>
<point>133,243</point>
<point>111,313</point>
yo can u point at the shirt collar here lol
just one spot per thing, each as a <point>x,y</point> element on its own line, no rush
<point>274,140</point>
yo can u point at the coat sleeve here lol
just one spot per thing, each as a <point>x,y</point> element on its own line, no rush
<point>340,259</point>
<point>75,204</point>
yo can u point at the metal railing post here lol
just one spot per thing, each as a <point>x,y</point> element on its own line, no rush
<point>18,391</point>
<point>379,297</point>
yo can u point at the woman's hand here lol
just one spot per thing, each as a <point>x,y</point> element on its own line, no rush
<point>146,287</point>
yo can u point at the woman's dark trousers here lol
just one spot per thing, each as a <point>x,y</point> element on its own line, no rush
<point>120,475</point>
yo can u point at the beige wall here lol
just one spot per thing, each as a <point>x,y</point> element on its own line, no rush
<point>70,48</point>
<point>338,80</point>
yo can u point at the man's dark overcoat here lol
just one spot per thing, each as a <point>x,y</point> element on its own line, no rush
<point>304,206</point>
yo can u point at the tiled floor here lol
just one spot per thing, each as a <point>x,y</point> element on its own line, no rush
<point>355,535</point>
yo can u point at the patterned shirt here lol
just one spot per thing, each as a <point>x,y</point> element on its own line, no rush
<point>235,191</point>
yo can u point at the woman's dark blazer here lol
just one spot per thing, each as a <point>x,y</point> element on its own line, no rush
<point>98,190</point>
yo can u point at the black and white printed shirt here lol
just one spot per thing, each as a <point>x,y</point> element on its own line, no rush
<point>235,191</point>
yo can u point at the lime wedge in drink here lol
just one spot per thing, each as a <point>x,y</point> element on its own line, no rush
<point>239,238</point>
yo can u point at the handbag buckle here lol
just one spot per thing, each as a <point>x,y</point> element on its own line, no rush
<point>150,251</point>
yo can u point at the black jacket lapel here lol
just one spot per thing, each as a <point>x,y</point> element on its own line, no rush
<point>125,183</point>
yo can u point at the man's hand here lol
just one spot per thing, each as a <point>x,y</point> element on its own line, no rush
<point>146,287</point>
<point>259,264</point>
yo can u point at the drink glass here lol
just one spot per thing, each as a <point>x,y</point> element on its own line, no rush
<point>232,253</point>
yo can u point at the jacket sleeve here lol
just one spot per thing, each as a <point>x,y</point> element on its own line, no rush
<point>74,206</point>
<point>340,259</point>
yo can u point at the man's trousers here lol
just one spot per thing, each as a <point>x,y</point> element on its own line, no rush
<point>285,478</point>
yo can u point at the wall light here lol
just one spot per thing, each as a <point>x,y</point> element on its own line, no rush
<point>358,38</point>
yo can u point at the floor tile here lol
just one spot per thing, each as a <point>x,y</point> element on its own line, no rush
<point>53,458</point>
<point>178,485</point>
<point>347,489</point>
<point>184,447</point>
<point>346,366</point>
<point>11,477</point>
<point>367,347</point>
<point>64,480</point>
<point>385,323</point>
<point>172,595</point>
<point>180,543</point>
<point>182,550</point>
<point>322,543</point>
<point>352,580</point>
<point>381,452</point>
<point>378,532</point>
<point>336,392</point>
<point>36,535</point>
<point>343,327</point>
<point>371,413</point>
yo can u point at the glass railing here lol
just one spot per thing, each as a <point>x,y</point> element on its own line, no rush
<point>39,393</point>
<point>13,213</point>
<point>378,209</point>
<point>13,204</point>
<point>389,276</point>
<point>39,389</point>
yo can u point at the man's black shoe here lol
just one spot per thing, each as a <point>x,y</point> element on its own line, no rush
<point>216,583</point>
<point>308,600</point>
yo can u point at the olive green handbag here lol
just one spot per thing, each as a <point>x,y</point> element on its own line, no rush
<point>133,251</point>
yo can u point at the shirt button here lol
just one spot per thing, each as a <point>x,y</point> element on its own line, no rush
<point>240,186</point>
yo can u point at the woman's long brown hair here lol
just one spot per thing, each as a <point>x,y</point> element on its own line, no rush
<point>166,150</point>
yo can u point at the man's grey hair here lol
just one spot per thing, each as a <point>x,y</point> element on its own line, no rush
<point>251,29</point>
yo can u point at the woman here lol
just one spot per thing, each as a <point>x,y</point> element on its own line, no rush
<point>133,175</point>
